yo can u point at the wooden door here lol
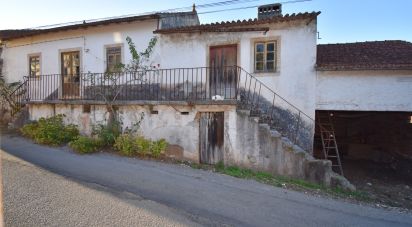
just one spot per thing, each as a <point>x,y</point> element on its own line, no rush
<point>70,74</point>
<point>211,137</point>
<point>223,76</point>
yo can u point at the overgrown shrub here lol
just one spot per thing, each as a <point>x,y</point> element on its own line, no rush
<point>158,147</point>
<point>85,145</point>
<point>125,145</point>
<point>143,145</point>
<point>129,145</point>
<point>51,131</point>
<point>29,130</point>
<point>107,133</point>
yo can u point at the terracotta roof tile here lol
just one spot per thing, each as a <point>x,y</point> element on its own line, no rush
<point>224,25</point>
<point>18,33</point>
<point>376,55</point>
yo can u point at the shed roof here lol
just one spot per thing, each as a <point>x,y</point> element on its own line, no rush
<point>375,55</point>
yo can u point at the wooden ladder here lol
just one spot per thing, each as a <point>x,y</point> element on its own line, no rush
<point>329,144</point>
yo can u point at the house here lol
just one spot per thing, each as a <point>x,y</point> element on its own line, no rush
<point>244,92</point>
<point>367,87</point>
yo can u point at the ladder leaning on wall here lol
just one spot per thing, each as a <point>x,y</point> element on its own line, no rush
<point>329,144</point>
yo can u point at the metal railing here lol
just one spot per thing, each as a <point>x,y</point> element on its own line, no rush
<point>276,111</point>
<point>181,84</point>
<point>18,97</point>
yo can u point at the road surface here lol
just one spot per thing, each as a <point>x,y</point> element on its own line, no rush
<point>54,186</point>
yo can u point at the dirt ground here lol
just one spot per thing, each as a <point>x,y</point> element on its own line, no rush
<point>386,184</point>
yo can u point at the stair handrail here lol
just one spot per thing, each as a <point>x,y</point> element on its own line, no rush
<point>18,102</point>
<point>275,93</point>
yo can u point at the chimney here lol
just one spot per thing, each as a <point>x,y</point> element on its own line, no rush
<point>269,11</point>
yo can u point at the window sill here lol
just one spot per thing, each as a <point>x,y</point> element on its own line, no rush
<point>263,74</point>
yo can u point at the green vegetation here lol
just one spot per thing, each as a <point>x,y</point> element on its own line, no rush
<point>143,145</point>
<point>125,145</point>
<point>85,145</point>
<point>50,131</point>
<point>107,133</point>
<point>282,181</point>
<point>129,145</point>
<point>158,147</point>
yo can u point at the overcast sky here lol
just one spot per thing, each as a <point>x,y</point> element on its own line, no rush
<point>340,20</point>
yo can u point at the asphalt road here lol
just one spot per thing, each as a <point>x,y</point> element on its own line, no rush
<point>54,186</point>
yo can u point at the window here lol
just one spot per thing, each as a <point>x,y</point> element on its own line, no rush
<point>34,65</point>
<point>265,56</point>
<point>113,58</point>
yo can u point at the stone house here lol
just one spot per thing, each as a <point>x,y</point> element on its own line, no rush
<point>244,92</point>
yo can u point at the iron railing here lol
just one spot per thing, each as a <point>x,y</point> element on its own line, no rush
<point>181,84</point>
<point>18,97</point>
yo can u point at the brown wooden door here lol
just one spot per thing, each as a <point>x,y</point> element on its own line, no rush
<point>70,74</point>
<point>223,76</point>
<point>211,137</point>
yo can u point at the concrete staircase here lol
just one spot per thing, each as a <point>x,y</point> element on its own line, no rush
<point>278,155</point>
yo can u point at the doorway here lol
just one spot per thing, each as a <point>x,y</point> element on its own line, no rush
<point>70,71</point>
<point>211,137</point>
<point>223,72</point>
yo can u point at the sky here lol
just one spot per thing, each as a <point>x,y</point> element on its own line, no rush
<point>340,21</point>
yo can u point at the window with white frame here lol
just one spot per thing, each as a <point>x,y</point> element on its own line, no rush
<point>113,58</point>
<point>34,65</point>
<point>265,56</point>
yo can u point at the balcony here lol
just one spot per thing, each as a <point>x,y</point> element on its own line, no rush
<point>164,85</point>
<point>204,85</point>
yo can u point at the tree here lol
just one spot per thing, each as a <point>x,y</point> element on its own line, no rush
<point>110,85</point>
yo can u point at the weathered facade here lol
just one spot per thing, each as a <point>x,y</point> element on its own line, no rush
<point>243,92</point>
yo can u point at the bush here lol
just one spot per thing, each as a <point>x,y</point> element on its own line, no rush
<point>143,145</point>
<point>125,144</point>
<point>85,145</point>
<point>107,133</point>
<point>29,130</point>
<point>51,131</point>
<point>158,147</point>
<point>129,145</point>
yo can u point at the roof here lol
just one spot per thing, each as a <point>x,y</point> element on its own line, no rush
<point>233,26</point>
<point>376,55</point>
<point>19,33</point>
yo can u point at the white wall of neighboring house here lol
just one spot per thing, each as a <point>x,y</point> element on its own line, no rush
<point>91,42</point>
<point>364,90</point>
<point>295,77</point>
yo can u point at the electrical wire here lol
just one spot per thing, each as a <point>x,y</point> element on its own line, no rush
<point>201,6</point>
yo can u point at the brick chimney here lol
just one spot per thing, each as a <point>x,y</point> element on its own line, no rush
<point>269,11</point>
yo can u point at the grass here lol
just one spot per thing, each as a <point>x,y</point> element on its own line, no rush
<point>281,181</point>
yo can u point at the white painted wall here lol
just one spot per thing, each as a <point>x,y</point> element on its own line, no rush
<point>295,76</point>
<point>91,42</point>
<point>294,79</point>
<point>364,90</point>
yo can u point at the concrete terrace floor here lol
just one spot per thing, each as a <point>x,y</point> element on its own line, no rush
<point>54,186</point>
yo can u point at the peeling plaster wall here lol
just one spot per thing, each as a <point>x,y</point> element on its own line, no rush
<point>256,146</point>
<point>246,142</point>
<point>169,123</point>
<point>364,90</point>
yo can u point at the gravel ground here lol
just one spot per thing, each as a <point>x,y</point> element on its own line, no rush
<point>35,197</point>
